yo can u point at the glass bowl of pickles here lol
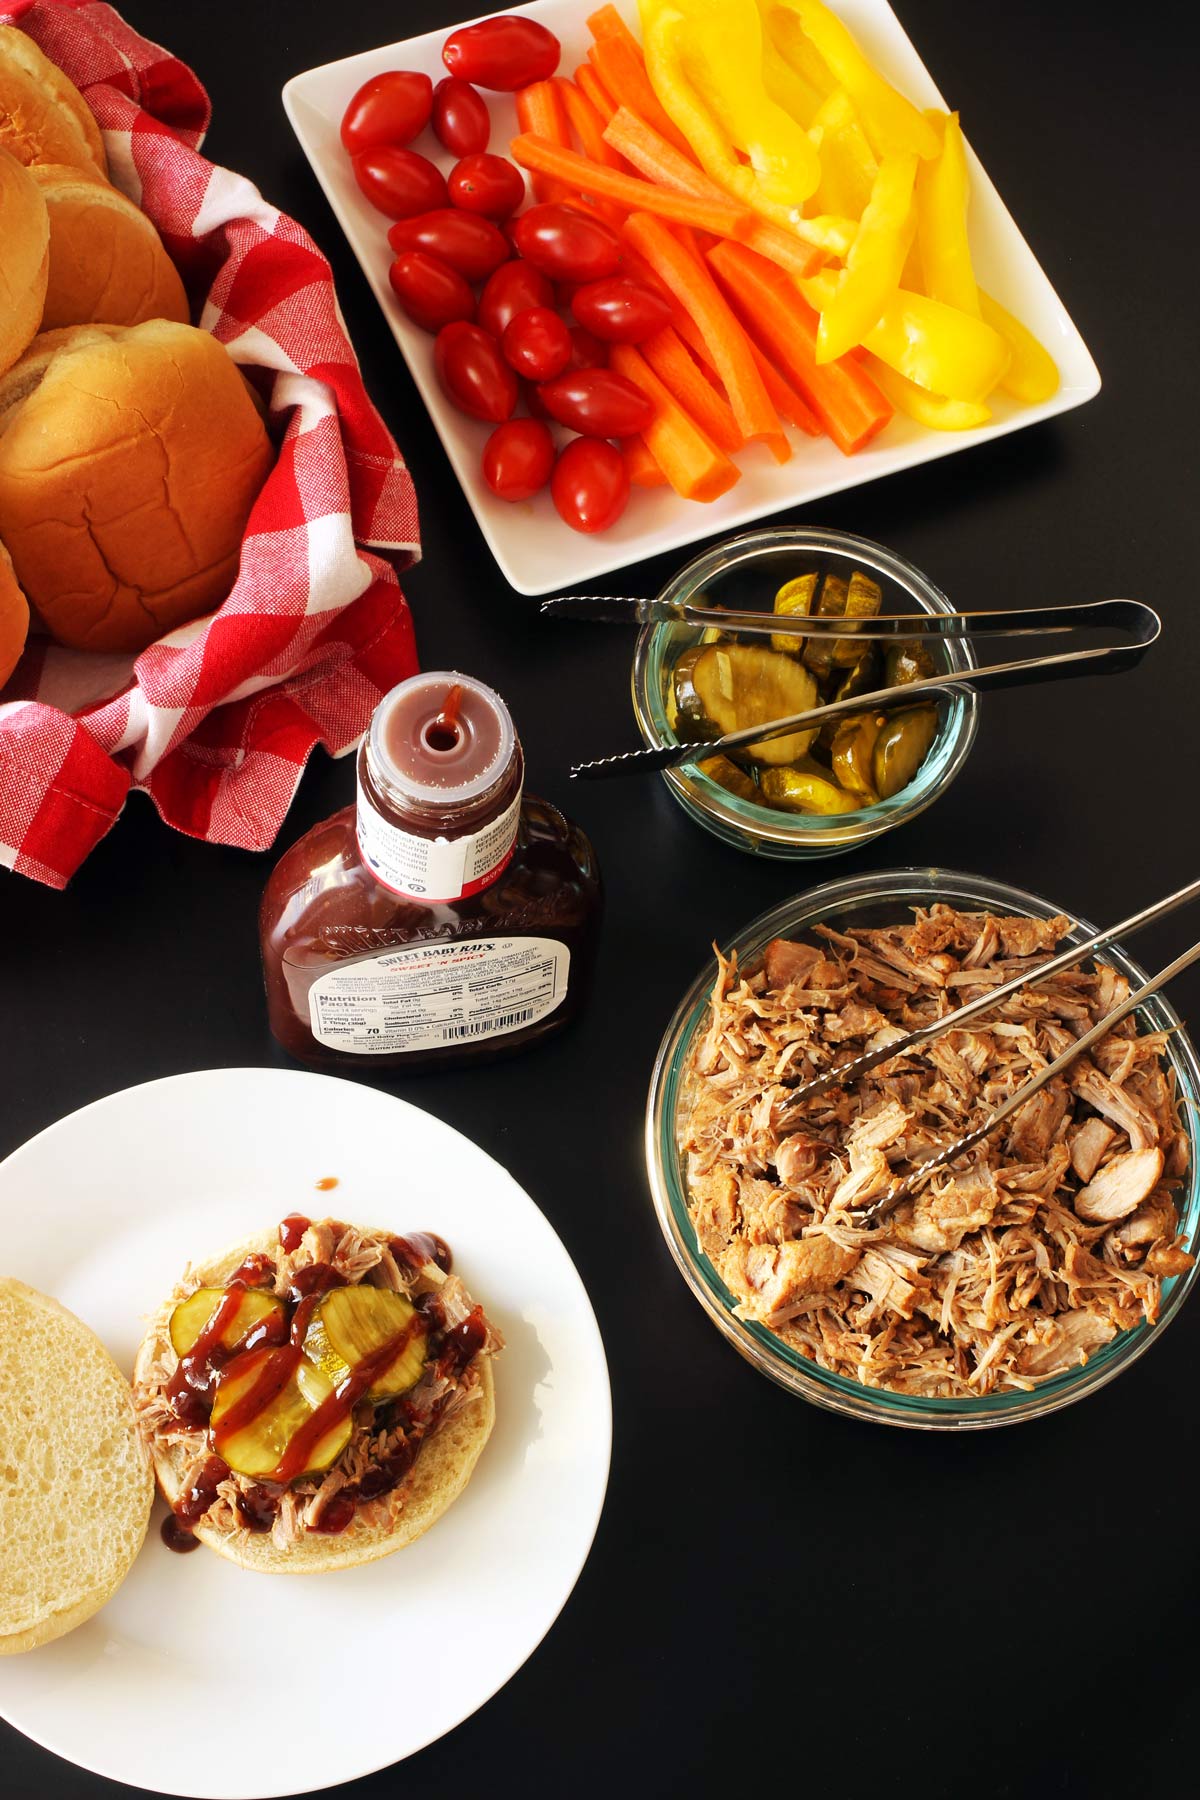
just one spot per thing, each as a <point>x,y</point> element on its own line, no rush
<point>810,793</point>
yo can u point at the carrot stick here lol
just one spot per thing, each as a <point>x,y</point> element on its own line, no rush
<point>669,358</point>
<point>652,156</point>
<point>726,342</point>
<point>841,393</point>
<point>694,467</point>
<point>587,125</point>
<point>593,89</point>
<point>784,398</point>
<point>640,465</point>
<point>606,21</point>
<point>620,66</point>
<point>540,110</point>
<point>723,217</point>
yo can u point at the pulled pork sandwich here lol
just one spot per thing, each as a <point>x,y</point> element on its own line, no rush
<point>316,1397</point>
<point>1055,1234</point>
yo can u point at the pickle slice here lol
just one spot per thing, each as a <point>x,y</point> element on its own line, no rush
<point>690,723</point>
<point>193,1315</point>
<point>795,599</point>
<point>807,791</point>
<point>907,661</point>
<point>351,1324</point>
<point>862,677</point>
<point>864,598</point>
<point>738,685</point>
<point>258,1447</point>
<point>853,749</point>
<point>726,774</point>
<point>902,747</point>
<point>818,651</point>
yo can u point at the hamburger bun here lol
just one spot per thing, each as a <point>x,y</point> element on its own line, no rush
<point>441,1471</point>
<point>75,1488</point>
<point>107,261</point>
<point>24,257</point>
<point>130,457</point>
<point>14,617</point>
<point>43,116</point>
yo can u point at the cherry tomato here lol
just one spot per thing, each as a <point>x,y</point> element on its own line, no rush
<point>597,403</point>
<point>518,458</point>
<point>399,182</point>
<point>461,120</point>
<point>565,244</point>
<point>470,244</point>
<point>473,372</point>
<point>619,310</point>
<point>486,184</point>
<point>537,344</point>
<point>514,288</point>
<point>587,352</point>
<point>590,484</point>
<point>429,290</point>
<point>389,109</point>
<point>506,53</point>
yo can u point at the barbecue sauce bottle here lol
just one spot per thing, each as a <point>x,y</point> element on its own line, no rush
<point>447,915</point>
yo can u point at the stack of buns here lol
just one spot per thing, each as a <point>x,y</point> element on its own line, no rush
<point>131,448</point>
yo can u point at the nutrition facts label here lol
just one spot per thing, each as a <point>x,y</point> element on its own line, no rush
<point>439,994</point>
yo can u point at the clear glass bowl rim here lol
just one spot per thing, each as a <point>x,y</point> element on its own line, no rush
<point>904,886</point>
<point>737,819</point>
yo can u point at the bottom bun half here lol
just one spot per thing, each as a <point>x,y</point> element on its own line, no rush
<point>442,1469</point>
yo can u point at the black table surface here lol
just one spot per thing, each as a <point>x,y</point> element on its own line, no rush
<point>774,1593</point>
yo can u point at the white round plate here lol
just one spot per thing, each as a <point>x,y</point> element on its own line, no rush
<point>204,1679</point>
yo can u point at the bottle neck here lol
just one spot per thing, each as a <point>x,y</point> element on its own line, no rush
<point>444,816</point>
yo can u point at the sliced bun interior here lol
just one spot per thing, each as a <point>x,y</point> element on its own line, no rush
<point>75,1490</point>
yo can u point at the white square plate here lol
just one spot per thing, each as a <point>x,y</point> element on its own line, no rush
<point>537,553</point>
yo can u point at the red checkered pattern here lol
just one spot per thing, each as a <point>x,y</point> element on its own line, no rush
<point>216,721</point>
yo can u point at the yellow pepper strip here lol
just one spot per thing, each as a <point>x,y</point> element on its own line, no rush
<point>932,344</point>
<point>1032,374</point>
<point>721,45</point>
<point>848,169</point>
<point>787,86</point>
<point>661,29</point>
<point>891,122</point>
<point>943,190</point>
<point>874,262</point>
<point>933,410</point>
<point>786,33</point>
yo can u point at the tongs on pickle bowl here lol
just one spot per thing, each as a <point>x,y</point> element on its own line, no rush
<point>1138,626</point>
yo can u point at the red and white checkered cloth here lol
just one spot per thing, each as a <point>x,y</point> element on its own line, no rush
<point>216,721</point>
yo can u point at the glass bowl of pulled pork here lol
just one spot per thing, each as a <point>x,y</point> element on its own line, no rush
<point>809,793</point>
<point>1016,1280</point>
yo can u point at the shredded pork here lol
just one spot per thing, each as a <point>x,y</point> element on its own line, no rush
<point>1017,1264</point>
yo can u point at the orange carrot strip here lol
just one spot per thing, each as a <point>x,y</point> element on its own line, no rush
<point>784,398</point>
<point>640,465</point>
<point>725,339</point>
<point>652,156</point>
<point>724,217</point>
<point>593,89</point>
<point>620,66</point>
<point>841,393</point>
<point>587,125</point>
<point>540,110</point>
<point>606,21</point>
<point>668,356</point>
<point>694,467</point>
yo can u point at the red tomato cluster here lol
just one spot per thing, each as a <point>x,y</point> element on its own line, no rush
<point>510,341</point>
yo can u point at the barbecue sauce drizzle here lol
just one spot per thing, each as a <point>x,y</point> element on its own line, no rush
<point>192,1387</point>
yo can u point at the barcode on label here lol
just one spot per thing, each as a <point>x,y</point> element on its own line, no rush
<point>505,1022</point>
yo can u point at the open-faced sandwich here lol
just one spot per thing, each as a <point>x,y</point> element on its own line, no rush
<point>316,1396</point>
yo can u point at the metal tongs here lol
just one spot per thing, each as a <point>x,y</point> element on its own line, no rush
<point>1139,623</point>
<point>984,1002</point>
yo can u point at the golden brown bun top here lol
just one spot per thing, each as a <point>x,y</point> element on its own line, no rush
<point>75,1491</point>
<point>14,617</point>
<point>107,261</point>
<point>127,474</point>
<point>43,116</point>
<point>24,257</point>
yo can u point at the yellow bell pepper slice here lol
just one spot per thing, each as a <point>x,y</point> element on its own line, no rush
<point>891,122</point>
<point>943,191</point>
<point>662,44</point>
<point>874,262</point>
<point>848,168</point>
<point>934,345</point>
<point>932,410</point>
<point>787,85</point>
<point>784,31</point>
<point>1032,374</point>
<point>721,45</point>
